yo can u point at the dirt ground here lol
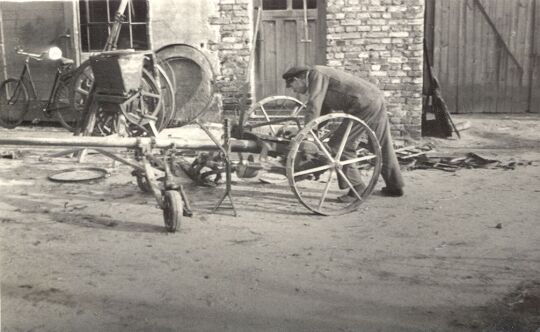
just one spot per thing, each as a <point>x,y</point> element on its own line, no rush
<point>459,252</point>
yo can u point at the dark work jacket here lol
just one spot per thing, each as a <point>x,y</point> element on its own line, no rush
<point>333,89</point>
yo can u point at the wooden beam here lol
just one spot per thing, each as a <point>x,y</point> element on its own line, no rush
<point>499,37</point>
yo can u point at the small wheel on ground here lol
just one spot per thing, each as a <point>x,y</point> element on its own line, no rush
<point>333,156</point>
<point>13,102</point>
<point>172,210</point>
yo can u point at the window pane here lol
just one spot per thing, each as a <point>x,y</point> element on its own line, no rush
<point>124,39</point>
<point>133,34</point>
<point>139,10</point>
<point>299,4</point>
<point>98,37</point>
<point>97,11</point>
<point>82,12</point>
<point>84,39</point>
<point>140,40</point>
<point>274,4</point>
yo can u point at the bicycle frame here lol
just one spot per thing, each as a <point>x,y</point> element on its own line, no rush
<point>26,77</point>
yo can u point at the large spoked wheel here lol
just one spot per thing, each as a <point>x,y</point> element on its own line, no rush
<point>149,105</point>
<point>172,209</point>
<point>157,101</point>
<point>168,97</point>
<point>81,86</point>
<point>13,102</point>
<point>62,106</point>
<point>272,109</point>
<point>333,156</point>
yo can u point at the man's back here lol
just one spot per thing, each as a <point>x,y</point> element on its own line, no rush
<point>342,82</point>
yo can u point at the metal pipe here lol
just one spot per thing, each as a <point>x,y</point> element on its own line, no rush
<point>131,142</point>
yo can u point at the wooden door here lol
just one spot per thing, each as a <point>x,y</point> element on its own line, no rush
<point>282,42</point>
<point>483,53</point>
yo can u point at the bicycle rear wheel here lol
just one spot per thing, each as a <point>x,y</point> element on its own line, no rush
<point>62,106</point>
<point>13,102</point>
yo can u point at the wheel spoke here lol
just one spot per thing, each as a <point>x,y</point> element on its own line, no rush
<point>150,94</point>
<point>344,139</point>
<point>326,187</point>
<point>321,145</point>
<point>355,160</point>
<point>267,119</point>
<point>312,170</point>
<point>82,91</point>
<point>349,184</point>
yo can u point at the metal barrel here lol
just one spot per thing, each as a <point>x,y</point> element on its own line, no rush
<point>131,142</point>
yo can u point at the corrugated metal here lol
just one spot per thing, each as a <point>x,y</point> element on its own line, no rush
<point>482,53</point>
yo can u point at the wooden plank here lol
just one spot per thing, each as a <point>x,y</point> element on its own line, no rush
<point>482,8</point>
<point>502,31</point>
<point>483,82</point>
<point>467,104</point>
<point>463,91</point>
<point>524,45</point>
<point>301,47</point>
<point>513,92</point>
<point>289,45</point>
<point>513,85</point>
<point>312,46</point>
<point>280,61</point>
<point>269,57</point>
<point>451,92</point>
<point>534,87</point>
<point>474,46</point>
<point>444,45</point>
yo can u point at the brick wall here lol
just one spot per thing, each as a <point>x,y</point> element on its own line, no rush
<point>234,23</point>
<point>382,40</point>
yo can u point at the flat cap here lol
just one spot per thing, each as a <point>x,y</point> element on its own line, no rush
<point>294,72</point>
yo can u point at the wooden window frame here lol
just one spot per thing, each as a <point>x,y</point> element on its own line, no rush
<point>86,38</point>
<point>289,5</point>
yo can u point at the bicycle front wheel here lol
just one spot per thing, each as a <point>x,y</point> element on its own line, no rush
<point>13,102</point>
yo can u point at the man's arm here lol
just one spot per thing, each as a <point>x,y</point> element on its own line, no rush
<point>317,88</point>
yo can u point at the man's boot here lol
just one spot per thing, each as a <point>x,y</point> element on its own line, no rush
<point>351,196</point>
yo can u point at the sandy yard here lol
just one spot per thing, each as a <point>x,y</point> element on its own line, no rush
<point>459,252</point>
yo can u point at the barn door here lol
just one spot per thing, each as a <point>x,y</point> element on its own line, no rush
<point>483,52</point>
<point>282,42</point>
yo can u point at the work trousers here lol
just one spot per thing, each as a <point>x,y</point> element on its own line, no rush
<point>376,118</point>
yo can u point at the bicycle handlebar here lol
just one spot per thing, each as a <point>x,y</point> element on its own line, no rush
<point>34,56</point>
<point>42,56</point>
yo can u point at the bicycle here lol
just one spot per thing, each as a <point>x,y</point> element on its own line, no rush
<point>16,93</point>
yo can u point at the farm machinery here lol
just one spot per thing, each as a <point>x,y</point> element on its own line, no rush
<point>269,138</point>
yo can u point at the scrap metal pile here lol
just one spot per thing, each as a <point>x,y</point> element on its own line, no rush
<point>425,157</point>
